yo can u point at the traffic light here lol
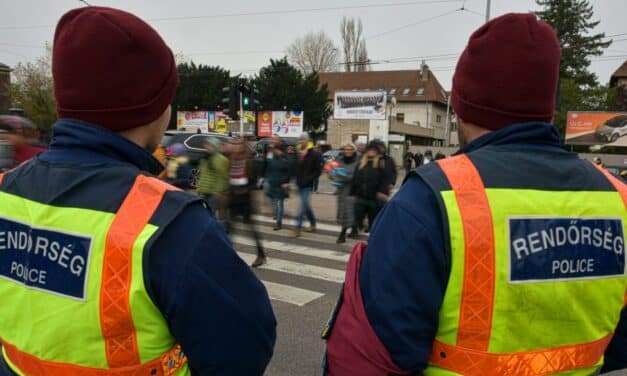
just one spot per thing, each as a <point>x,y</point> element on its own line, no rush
<point>230,100</point>
<point>248,92</point>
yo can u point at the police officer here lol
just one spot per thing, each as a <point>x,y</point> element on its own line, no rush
<point>105,269</point>
<point>507,258</point>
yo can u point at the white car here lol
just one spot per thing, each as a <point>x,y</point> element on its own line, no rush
<point>612,129</point>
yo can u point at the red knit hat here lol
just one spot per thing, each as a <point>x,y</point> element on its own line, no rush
<point>111,68</point>
<point>508,73</point>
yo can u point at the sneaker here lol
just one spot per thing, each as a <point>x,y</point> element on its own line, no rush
<point>296,232</point>
<point>341,239</point>
<point>277,227</point>
<point>311,228</point>
<point>260,260</point>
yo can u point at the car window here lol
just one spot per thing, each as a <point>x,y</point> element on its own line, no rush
<point>196,142</point>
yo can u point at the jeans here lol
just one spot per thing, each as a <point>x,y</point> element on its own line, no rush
<point>305,208</point>
<point>278,207</point>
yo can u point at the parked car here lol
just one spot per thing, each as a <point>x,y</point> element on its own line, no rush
<point>612,129</point>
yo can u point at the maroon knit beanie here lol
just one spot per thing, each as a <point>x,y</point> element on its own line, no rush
<point>508,73</point>
<point>111,68</point>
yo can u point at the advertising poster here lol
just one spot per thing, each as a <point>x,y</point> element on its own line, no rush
<point>282,123</point>
<point>192,120</point>
<point>264,124</point>
<point>368,105</point>
<point>596,128</point>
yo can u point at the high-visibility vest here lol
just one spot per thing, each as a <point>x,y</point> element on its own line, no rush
<point>74,300</point>
<point>512,306</point>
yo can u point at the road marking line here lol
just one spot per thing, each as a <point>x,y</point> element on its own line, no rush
<point>320,238</point>
<point>292,222</point>
<point>297,268</point>
<point>291,248</point>
<point>290,294</point>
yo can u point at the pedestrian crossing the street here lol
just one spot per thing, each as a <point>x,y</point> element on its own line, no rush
<point>298,271</point>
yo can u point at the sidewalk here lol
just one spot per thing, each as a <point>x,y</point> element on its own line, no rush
<point>323,203</point>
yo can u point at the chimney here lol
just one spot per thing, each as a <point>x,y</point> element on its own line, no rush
<point>424,71</point>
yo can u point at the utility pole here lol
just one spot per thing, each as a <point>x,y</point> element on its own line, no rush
<point>241,114</point>
<point>487,11</point>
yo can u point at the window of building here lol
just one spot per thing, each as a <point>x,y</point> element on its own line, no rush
<point>438,118</point>
<point>406,91</point>
<point>393,91</point>
<point>400,116</point>
<point>421,91</point>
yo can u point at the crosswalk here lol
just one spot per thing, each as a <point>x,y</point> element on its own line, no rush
<point>298,271</point>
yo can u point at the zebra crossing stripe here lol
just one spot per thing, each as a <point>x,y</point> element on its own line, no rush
<point>290,294</point>
<point>292,222</point>
<point>297,268</point>
<point>295,249</point>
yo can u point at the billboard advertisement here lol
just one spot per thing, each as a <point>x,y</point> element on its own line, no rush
<point>193,120</point>
<point>359,105</point>
<point>282,123</point>
<point>596,128</point>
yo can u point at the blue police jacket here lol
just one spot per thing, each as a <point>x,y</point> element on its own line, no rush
<point>213,303</point>
<point>403,309</point>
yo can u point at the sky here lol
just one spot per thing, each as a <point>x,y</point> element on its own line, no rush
<point>243,35</point>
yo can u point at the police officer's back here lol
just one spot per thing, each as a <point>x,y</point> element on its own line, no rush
<point>507,258</point>
<point>103,267</point>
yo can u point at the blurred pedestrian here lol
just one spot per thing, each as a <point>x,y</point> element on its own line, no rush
<point>22,138</point>
<point>389,165</point>
<point>316,181</point>
<point>278,179</point>
<point>160,154</point>
<point>597,161</point>
<point>126,274</point>
<point>178,170</point>
<point>428,158</point>
<point>409,160</point>
<point>361,148</point>
<point>439,155</point>
<point>240,199</point>
<point>213,178</point>
<point>418,159</point>
<point>369,186</point>
<point>308,169</point>
<point>342,177</point>
<point>292,157</point>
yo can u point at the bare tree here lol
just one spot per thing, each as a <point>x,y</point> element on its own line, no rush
<point>314,52</point>
<point>353,45</point>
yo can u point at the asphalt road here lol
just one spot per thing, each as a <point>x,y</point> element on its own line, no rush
<point>303,277</point>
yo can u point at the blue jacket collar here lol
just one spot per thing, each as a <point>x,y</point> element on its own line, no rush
<point>533,133</point>
<point>85,143</point>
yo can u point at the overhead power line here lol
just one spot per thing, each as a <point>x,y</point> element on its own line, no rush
<point>424,20</point>
<point>265,13</point>
<point>305,10</point>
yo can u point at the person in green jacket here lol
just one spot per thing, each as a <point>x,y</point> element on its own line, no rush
<point>213,178</point>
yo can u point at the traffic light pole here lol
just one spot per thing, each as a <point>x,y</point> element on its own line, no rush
<point>241,114</point>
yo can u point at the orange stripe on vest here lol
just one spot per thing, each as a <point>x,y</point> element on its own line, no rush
<point>165,365</point>
<point>525,363</point>
<point>475,318</point>
<point>116,321</point>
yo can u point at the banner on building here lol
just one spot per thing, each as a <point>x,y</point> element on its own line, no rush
<point>282,123</point>
<point>191,121</point>
<point>359,105</point>
<point>596,128</point>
